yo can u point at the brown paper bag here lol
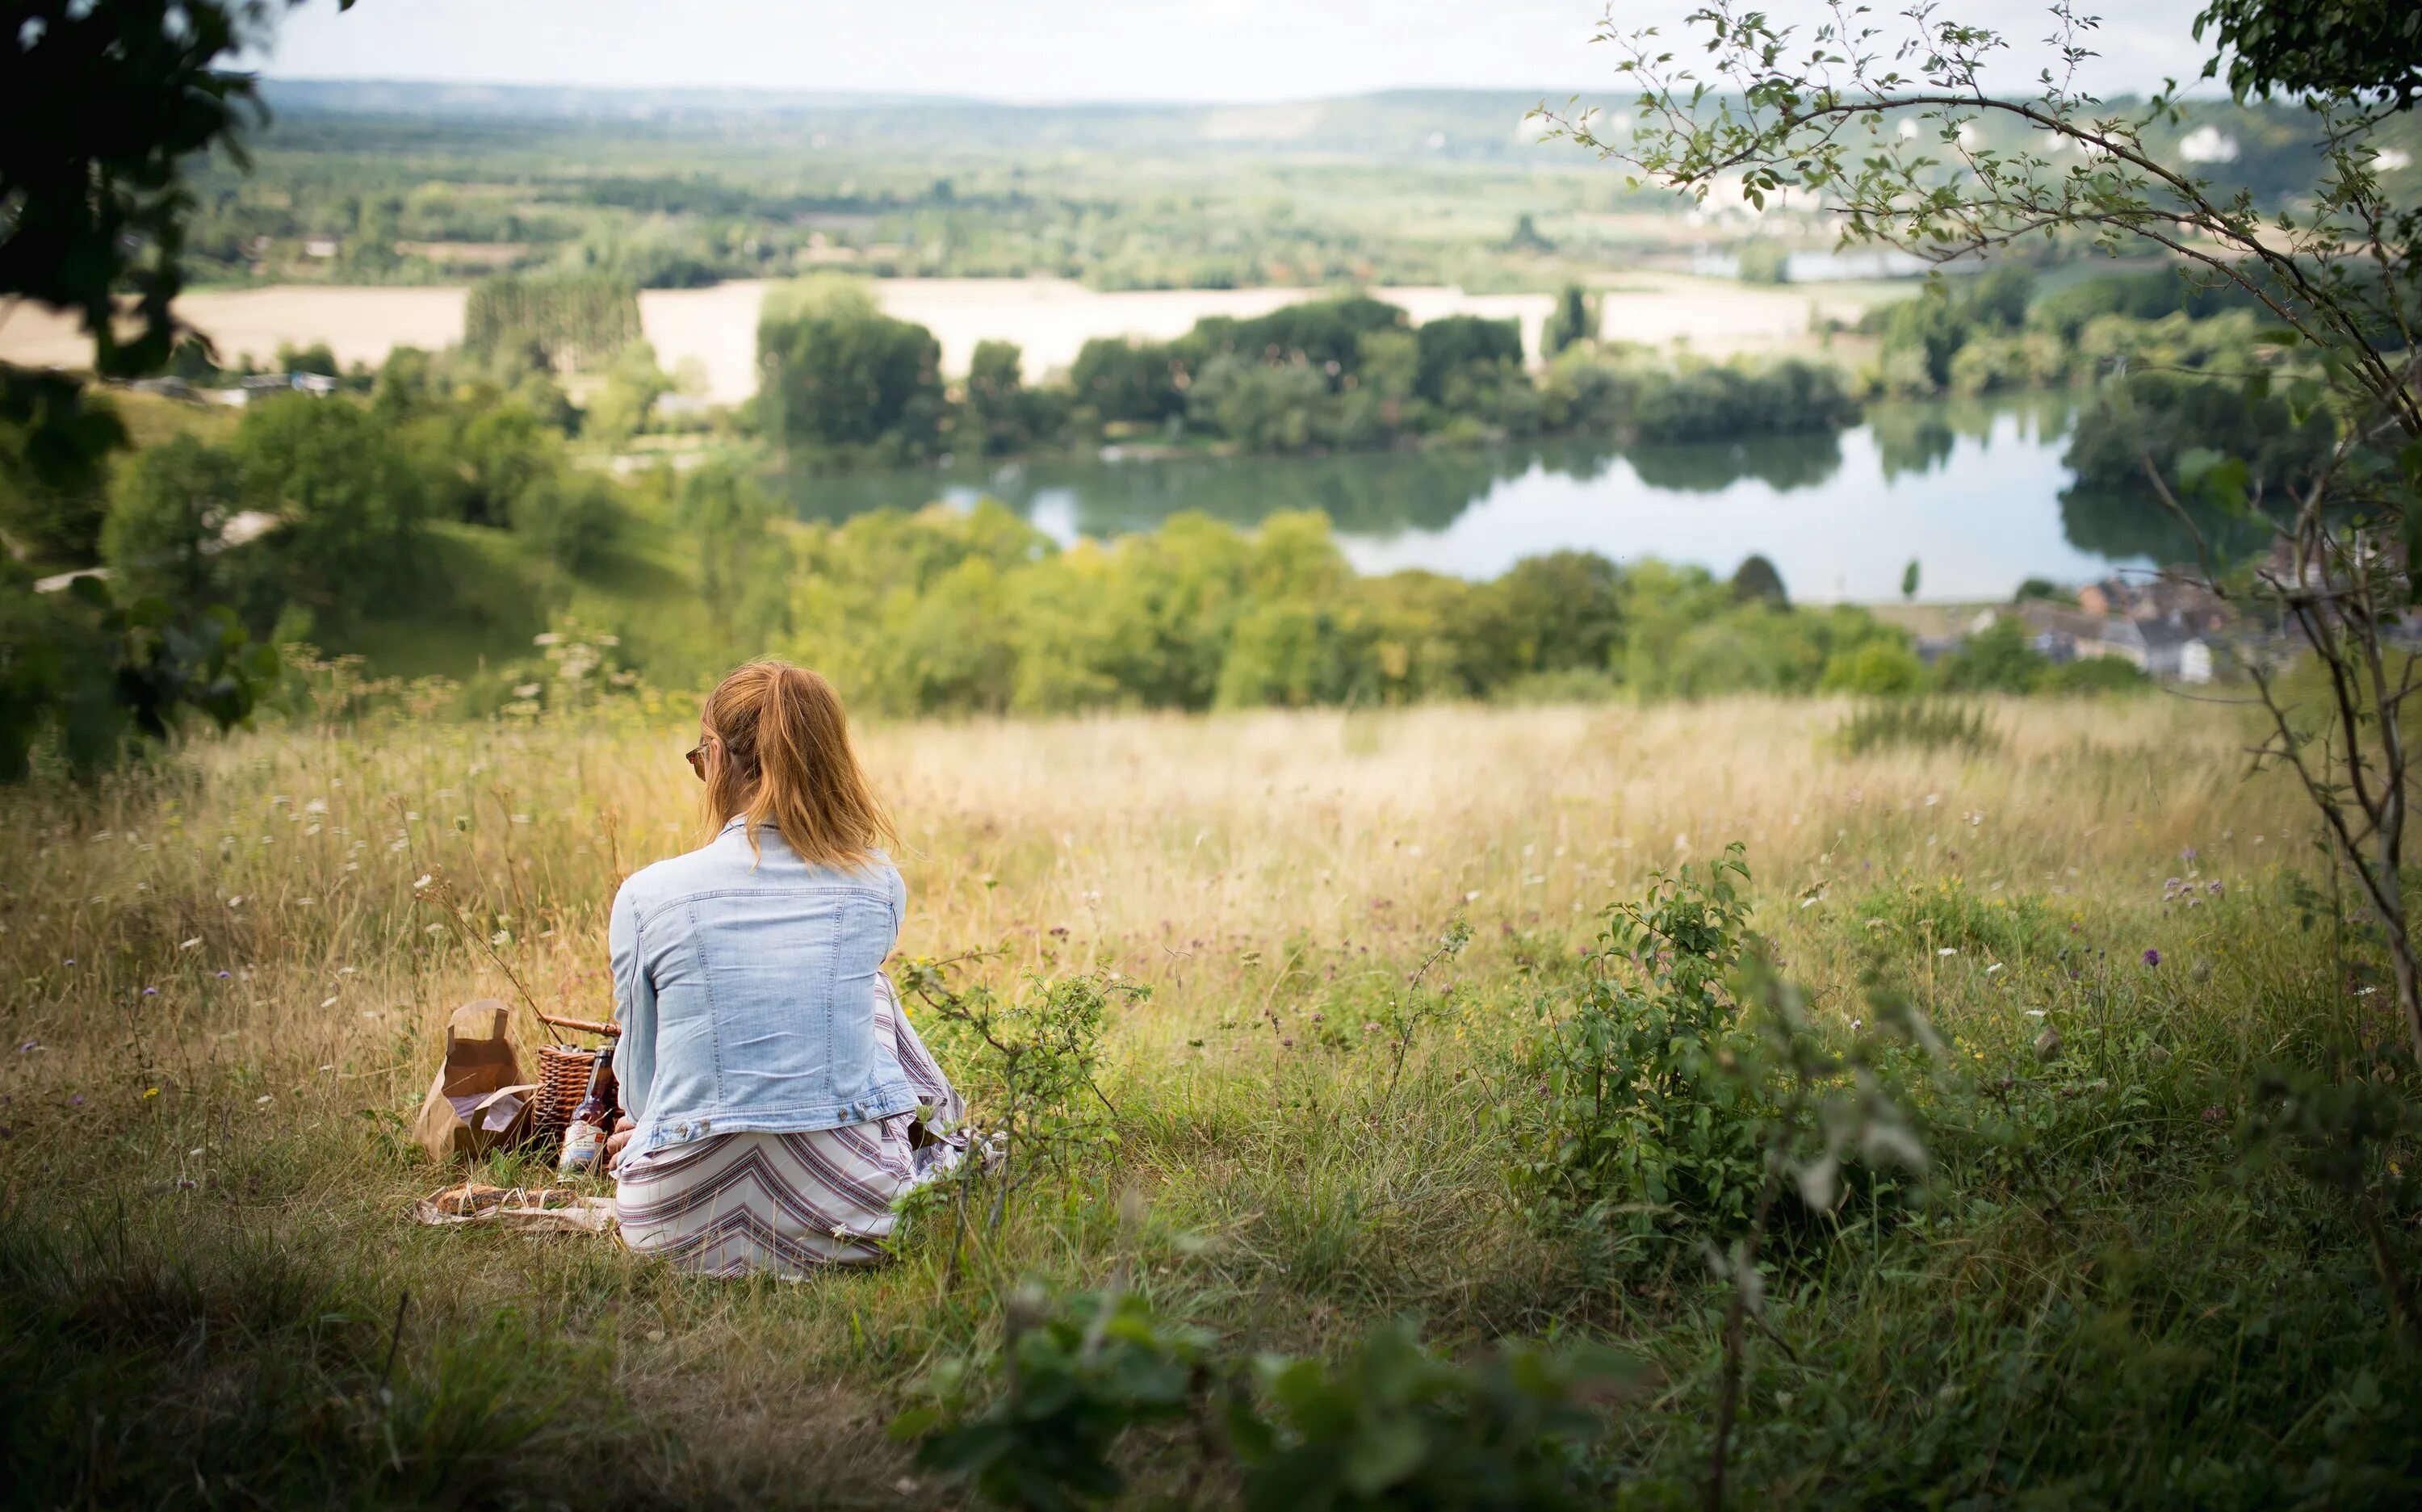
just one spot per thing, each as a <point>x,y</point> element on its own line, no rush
<point>478,1100</point>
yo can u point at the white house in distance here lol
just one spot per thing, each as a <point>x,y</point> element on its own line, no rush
<point>2171,647</point>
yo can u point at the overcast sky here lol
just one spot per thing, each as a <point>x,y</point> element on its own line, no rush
<point>1077,50</point>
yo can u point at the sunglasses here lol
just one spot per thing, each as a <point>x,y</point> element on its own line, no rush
<point>696,756</point>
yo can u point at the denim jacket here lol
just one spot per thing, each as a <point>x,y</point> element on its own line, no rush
<point>745,985</point>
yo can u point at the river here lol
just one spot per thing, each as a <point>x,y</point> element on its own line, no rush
<point>1971,490</point>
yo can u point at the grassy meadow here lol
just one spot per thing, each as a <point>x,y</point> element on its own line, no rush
<point>230,984</point>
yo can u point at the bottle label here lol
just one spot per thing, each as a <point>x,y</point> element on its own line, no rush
<point>582,1144</point>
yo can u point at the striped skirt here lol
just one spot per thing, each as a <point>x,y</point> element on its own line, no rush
<point>733,1205</point>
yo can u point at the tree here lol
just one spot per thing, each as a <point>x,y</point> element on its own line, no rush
<point>1756,578</point>
<point>744,568</point>
<point>1459,345</point>
<point>1768,110</point>
<point>997,403</point>
<point>348,500</point>
<point>101,675</point>
<point>168,513</point>
<point>112,99</point>
<point>1573,320</point>
<point>560,320</point>
<point>54,437</point>
<point>850,378</point>
<point>2352,49</point>
<point>1126,380</point>
<point>1557,613</point>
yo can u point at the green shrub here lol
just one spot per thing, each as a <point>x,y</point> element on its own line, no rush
<point>1878,669</point>
<point>1392,1425</point>
<point>2093,675</point>
<point>1645,1125</point>
<point>1918,724</point>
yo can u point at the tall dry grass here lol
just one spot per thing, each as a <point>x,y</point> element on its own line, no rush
<point>291,860</point>
<point>229,977</point>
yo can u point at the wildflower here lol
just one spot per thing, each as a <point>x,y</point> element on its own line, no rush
<point>1471,897</point>
<point>191,944</point>
<point>223,976</point>
<point>2152,956</point>
<point>424,881</point>
<point>2188,854</point>
<point>150,1092</point>
<point>1948,949</point>
<point>2215,1114</point>
<point>75,1101</point>
<point>1991,969</point>
<point>30,1047</point>
<point>263,1101</point>
<point>150,992</point>
<point>329,1003</point>
<point>1371,1026</point>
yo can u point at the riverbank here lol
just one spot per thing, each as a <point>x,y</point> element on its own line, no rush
<point>708,335</point>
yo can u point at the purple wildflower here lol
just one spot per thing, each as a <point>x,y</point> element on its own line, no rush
<point>2152,957</point>
<point>2188,854</point>
<point>150,992</point>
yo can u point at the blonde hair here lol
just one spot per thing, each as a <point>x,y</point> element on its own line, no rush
<point>782,758</point>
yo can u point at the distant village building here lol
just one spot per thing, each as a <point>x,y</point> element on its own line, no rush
<point>319,247</point>
<point>260,385</point>
<point>2175,647</point>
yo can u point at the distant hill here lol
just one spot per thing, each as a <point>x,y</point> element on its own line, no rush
<point>1411,123</point>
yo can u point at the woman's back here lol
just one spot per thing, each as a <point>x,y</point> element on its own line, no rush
<point>747,980</point>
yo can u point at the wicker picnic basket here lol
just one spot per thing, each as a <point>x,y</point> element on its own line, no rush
<point>562,1081</point>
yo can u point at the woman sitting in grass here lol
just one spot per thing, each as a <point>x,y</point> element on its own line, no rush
<point>778,1100</point>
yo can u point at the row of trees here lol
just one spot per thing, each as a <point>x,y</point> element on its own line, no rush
<point>563,319</point>
<point>1340,373</point>
<point>943,611</point>
<point>1995,330</point>
<point>338,494</point>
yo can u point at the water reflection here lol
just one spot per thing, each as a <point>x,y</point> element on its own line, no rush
<point>1974,489</point>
